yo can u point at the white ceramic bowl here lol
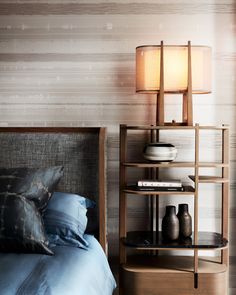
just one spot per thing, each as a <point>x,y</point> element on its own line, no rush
<point>160,152</point>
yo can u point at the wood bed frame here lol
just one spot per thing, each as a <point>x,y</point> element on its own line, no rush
<point>81,150</point>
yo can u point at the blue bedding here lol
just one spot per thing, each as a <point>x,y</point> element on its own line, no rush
<point>71,271</point>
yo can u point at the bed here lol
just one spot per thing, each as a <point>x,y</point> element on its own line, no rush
<point>71,269</point>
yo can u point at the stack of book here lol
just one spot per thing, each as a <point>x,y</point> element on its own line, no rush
<point>160,185</point>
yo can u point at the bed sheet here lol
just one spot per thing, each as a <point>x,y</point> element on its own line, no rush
<point>70,271</point>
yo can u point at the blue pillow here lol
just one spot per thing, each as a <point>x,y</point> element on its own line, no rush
<point>65,219</point>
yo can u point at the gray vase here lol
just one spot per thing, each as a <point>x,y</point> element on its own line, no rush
<point>185,221</point>
<point>170,224</point>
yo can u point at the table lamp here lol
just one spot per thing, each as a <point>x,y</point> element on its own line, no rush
<point>173,69</point>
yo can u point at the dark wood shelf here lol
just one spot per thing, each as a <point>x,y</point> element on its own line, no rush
<point>147,240</point>
<point>132,189</point>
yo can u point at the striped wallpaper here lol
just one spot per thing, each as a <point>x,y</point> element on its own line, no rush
<point>72,63</point>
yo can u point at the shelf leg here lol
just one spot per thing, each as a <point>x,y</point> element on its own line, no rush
<point>122,195</point>
<point>196,170</point>
<point>155,199</point>
<point>225,193</point>
<point>195,280</point>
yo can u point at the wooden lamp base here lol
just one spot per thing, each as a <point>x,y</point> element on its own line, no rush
<point>187,107</point>
<point>187,112</point>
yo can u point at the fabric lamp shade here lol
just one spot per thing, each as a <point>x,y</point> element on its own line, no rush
<point>175,69</point>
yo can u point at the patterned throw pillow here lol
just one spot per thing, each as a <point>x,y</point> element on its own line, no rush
<point>21,226</point>
<point>65,219</point>
<point>35,184</point>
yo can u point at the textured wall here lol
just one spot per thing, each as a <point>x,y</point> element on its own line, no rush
<point>71,63</point>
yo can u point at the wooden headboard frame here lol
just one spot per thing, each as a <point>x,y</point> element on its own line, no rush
<point>98,131</point>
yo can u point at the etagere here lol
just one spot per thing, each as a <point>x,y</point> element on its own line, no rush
<point>148,271</point>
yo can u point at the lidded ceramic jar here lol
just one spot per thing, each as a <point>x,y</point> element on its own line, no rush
<point>160,152</point>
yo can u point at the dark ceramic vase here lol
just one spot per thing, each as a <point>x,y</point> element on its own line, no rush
<point>185,221</point>
<point>170,224</point>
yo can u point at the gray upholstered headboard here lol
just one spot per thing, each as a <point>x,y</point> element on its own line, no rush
<point>80,150</point>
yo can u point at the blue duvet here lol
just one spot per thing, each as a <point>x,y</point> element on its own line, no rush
<point>71,271</point>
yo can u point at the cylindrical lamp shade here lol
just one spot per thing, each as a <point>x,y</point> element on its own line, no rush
<point>175,69</point>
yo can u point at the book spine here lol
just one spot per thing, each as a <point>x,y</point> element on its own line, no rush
<point>158,184</point>
<point>163,189</point>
